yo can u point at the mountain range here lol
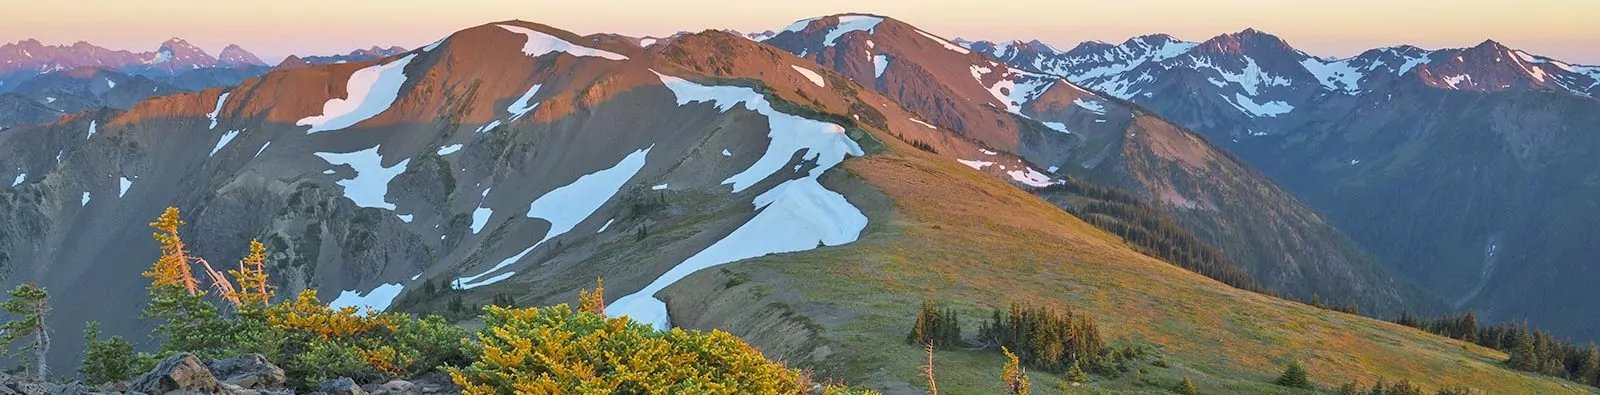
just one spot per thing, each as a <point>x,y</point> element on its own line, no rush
<point>1466,169</point>
<point>40,83</point>
<point>803,190</point>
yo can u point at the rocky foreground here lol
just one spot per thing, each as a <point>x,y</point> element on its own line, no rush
<point>248,374</point>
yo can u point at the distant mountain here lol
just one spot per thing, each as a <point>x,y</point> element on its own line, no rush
<point>357,55</point>
<point>1060,129</point>
<point>234,56</point>
<point>1469,169</point>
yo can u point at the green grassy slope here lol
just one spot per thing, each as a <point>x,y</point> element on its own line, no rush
<point>943,231</point>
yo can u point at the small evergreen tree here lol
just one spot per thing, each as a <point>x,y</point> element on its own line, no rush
<point>30,304</point>
<point>1014,377</point>
<point>1294,377</point>
<point>1076,374</point>
<point>1186,387</point>
<point>106,360</point>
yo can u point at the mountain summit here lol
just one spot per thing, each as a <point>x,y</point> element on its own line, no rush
<point>234,56</point>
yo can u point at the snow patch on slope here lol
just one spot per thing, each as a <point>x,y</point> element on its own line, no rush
<point>810,75</point>
<point>522,106</point>
<point>879,64</point>
<point>849,23</point>
<point>1030,177</point>
<point>1336,75</point>
<point>1266,109</point>
<point>1097,107</point>
<point>369,92</point>
<point>975,164</point>
<point>371,184</point>
<point>377,299</point>
<point>824,142</point>
<point>947,44</point>
<point>91,129</point>
<point>20,178</point>
<point>540,43</point>
<point>448,149</point>
<point>223,99</point>
<point>226,138</point>
<point>796,215</point>
<point>566,206</point>
<point>123,183</point>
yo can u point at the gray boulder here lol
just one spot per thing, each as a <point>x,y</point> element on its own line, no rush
<point>340,386</point>
<point>248,371</point>
<point>179,373</point>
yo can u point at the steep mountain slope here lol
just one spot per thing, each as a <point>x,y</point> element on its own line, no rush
<point>514,159</point>
<point>507,156</point>
<point>1060,128</point>
<point>1461,167</point>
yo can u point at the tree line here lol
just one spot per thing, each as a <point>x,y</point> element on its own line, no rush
<point>1151,231</point>
<point>1529,349</point>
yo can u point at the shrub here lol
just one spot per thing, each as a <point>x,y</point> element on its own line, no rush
<point>560,350</point>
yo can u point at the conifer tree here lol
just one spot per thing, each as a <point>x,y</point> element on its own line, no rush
<point>188,322</point>
<point>1294,377</point>
<point>253,291</point>
<point>1589,366</point>
<point>1076,374</point>
<point>30,304</point>
<point>106,360</point>
<point>1186,387</point>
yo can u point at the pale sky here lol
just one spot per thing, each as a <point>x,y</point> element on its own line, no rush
<point>1560,29</point>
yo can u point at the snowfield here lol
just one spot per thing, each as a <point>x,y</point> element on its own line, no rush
<point>1030,177</point>
<point>796,215</point>
<point>122,186</point>
<point>539,44</point>
<point>377,299</point>
<point>223,99</point>
<point>1094,106</point>
<point>226,138</point>
<point>947,45</point>
<point>370,91</point>
<point>568,205</point>
<point>879,64</point>
<point>976,164</point>
<point>371,184</point>
<point>448,149</point>
<point>849,23</point>
<point>523,105</point>
<point>91,129</point>
<point>20,178</point>
<point>810,75</point>
<point>824,142</point>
